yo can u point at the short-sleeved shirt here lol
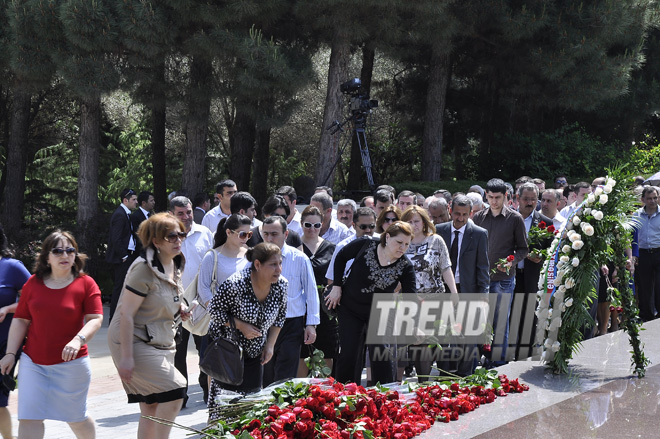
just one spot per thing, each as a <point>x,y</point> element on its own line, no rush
<point>56,316</point>
<point>430,259</point>
<point>13,276</point>
<point>236,297</point>
<point>226,267</point>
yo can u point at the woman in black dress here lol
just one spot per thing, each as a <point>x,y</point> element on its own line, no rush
<point>378,267</point>
<point>319,251</point>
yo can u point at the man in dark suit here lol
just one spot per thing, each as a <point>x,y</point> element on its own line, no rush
<point>468,251</point>
<point>146,203</point>
<point>202,204</point>
<point>527,272</point>
<point>122,244</point>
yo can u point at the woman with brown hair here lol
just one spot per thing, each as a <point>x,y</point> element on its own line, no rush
<point>141,340</point>
<point>59,311</point>
<point>378,267</point>
<point>255,298</point>
<point>387,217</point>
<point>430,257</point>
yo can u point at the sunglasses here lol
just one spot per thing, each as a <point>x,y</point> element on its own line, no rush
<point>367,226</point>
<point>174,236</point>
<point>310,225</point>
<point>242,234</point>
<point>60,251</point>
<point>389,219</point>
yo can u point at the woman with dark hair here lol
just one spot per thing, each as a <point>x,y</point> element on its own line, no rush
<point>256,300</point>
<point>319,251</point>
<point>387,217</point>
<point>13,276</point>
<point>59,311</point>
<point>378,267</point>
<point>275,205</point>
<point>229,244</point>
<point>141,340</point>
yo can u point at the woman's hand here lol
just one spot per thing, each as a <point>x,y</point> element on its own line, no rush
<point>3,313</point>
<point>186,312</point>
<point>125,369</point>
<point>70,351</point>
<point>266,354</point>
<point>249,331</point>
<point>332,300</point>
<point>6,363</point>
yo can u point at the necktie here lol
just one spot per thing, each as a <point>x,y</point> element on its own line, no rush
<point>453,251</point>
<point>130,223</point>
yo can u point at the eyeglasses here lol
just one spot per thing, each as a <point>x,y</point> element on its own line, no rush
<point>389,219</point>
<point>367,226</point>
<point>242,234</point>
<point>174,236</point>
<point>60,251</point>
<point>310,225</point>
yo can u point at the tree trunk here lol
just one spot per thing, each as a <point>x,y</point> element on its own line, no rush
<point>439,73</point>
<point>199,106</point>
<point>337,73</point>
<point>355,170</point>
<point>260,166</point>
<point>158,155</point>
<point>14,190</point>
<point>242,147</point>
<point>158,105</point>
<point>88,174</point>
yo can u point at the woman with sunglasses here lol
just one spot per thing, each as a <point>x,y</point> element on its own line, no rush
<point>141,339</point>
<point>387,217</point>
<point>319,251</point>
<point>59,311</point>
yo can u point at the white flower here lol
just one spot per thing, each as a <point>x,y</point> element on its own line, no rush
<point>598,215</point>
<point>598,191</point>
<point>562,289</point>
<point>576,220</point>
<point>569,302</point>
<point>575,237</point>
<point>559,295</point>
<point>542,314</point>
<point>555,324</point>
<point>575,262</point>
<point>602,199</point>
<point>563,307</point>
<point>587,210</point>
<point>569,283</point>
<point>607,189</point>
<point>555,346</point>
<point>564,258</point>
<point>547,344</point>
<point>577,245</point>
<point>554,242</point>
<point>566,249</point>
<point>550,313</point>
<point>569,225</point>
<point>610,182</point>
<point>591,198</point>
<point>588,229</point>
<point>560,264</point>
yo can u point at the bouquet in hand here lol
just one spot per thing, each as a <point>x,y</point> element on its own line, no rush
<point>503,262</point>
<point>538,236</point>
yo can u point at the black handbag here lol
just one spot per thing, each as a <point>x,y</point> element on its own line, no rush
<point>223,358</point>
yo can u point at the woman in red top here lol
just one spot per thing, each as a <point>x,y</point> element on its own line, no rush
<point>60,311</point>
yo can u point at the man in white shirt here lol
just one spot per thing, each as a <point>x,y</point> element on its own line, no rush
<point>291,197</point>
<point>581,190</point>
<point>331,229</point>
<point>550,205</point>
<point>345,212</point>
<point>224,191</point>
<point>302,307</point>
<point>198,241</point>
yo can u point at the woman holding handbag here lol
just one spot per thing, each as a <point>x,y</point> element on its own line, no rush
<point>256,299</point>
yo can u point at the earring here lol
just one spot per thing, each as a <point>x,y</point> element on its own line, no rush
<point>157,250</point>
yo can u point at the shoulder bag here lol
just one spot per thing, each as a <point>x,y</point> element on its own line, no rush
<point>223,358</point>
<point>199,320</point>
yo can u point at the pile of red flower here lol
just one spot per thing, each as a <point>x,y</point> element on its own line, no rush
<point>336,411</point>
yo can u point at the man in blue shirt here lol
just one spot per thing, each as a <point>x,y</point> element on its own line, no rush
<point>648,264</point>
<point>302,308</point>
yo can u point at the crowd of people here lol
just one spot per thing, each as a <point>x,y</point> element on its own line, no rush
<point>285,285</point>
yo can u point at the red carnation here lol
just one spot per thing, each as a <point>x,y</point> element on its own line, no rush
<point>510,258</point>
<point>542,225</point>
<point>551,228</point>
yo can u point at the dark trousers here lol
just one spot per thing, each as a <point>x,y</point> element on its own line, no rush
<point>352,336</point>
<point>118,275</point>
<point>284,364</point>
<point>648,281</point>
<point>180,358</point>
